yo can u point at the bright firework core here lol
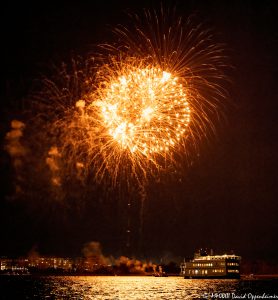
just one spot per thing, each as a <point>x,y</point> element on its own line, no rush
<point>144,109</point>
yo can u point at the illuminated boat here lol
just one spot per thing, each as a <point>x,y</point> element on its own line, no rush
<point>211,266</point>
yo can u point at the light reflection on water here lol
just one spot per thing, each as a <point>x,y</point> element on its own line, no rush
<point>114,287</point>
<point>144,287</point>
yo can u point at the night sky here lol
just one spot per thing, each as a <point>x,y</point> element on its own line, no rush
<point>225,200</point>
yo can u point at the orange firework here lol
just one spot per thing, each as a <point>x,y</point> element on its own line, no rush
<point>136,114</point>
<point>144,110</point>
<point>148,101</point>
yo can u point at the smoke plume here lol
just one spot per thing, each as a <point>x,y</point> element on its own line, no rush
<point>17,151</point>
<point>52,161</point>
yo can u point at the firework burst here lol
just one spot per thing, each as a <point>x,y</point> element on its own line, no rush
<point>141,104</point>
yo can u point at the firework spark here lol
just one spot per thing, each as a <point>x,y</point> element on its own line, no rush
<point>144,110</point>
<point>140,112</point>
<point>141,103</point>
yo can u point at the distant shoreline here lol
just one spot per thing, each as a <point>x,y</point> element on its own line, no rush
<point>244,277</point>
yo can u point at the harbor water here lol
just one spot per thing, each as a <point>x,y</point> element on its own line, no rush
<point>133,287</point>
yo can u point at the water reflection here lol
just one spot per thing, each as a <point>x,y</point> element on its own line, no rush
<point>126,288</point>
<point>132,288</point>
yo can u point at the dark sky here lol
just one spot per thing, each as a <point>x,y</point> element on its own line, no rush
<point>226,200</point>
